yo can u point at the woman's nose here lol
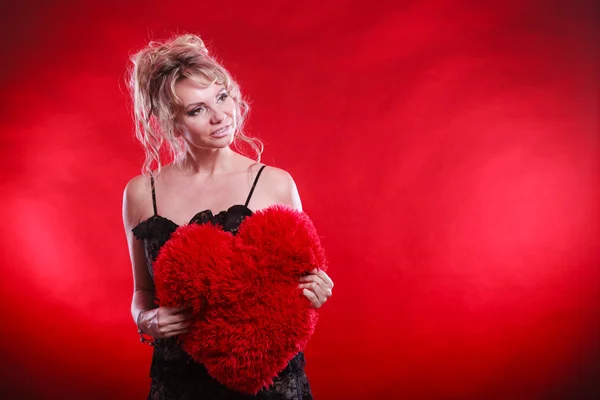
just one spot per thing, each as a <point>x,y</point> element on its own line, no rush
<point>218,116</point>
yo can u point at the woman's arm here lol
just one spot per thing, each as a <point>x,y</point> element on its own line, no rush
<point>143,286</point>
<point>317,286</point>
<point>161,322</point>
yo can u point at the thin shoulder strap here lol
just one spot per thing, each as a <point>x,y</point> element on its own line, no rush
<point>153,193</point>
<point>254,185</point>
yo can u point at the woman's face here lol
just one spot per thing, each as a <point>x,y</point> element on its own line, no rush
<point>208,118</point>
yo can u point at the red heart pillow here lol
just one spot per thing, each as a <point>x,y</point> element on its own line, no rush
<point>251,317</point>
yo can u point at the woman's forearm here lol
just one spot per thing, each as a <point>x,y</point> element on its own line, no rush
<point>142,299</point>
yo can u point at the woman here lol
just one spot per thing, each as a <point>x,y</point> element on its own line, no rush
<point>183,98</point>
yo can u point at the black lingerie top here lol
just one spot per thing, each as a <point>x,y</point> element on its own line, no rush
<point>175,375</point>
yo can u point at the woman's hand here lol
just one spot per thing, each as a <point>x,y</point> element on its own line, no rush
<point>164,322</point>
<point>317,287</point>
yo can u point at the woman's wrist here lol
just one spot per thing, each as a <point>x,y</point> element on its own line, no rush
<point>138,320</point>
<point>141,332</point>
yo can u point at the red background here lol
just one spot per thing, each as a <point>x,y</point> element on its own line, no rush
<point>447,151</point>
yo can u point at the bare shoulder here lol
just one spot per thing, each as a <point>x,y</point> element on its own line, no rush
<point>135,195</point>
<point>278,177</point>
<point>281,186</point>
<point>270,176</point>
<point>137,188</point>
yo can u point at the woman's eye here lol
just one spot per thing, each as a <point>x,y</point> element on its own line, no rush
<point>223,96</point>
<point>197,111</point>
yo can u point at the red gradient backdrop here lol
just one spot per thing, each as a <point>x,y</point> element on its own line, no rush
<point>447,151</point>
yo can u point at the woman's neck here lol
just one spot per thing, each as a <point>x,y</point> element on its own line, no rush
<point>208,162</point>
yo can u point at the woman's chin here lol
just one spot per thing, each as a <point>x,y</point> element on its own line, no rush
<point>213,143</point>
<point>223,142</point>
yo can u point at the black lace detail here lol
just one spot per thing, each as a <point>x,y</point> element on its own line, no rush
<point>175,375</point>
<point>155,231</point>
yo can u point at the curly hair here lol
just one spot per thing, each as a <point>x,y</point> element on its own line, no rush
<point>152,77</point>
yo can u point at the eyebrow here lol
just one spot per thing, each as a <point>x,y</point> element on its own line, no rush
<point>201,103</point>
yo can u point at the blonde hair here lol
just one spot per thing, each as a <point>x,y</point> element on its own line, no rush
<point>152,77</point>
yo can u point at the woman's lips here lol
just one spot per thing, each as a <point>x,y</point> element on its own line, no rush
<point>224,131</point>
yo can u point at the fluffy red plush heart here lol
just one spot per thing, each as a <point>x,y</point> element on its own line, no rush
<point>251,317</point>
